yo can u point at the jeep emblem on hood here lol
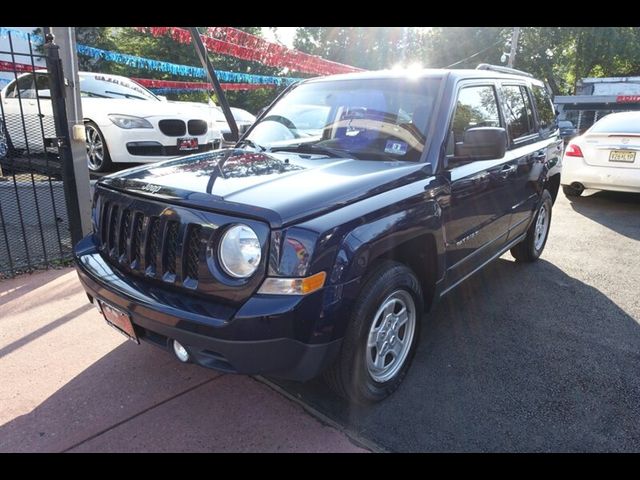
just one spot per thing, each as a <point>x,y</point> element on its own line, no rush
<point>151,188</point>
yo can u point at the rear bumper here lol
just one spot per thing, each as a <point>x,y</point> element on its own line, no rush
<point>216,336</point>
<point>576,170</point>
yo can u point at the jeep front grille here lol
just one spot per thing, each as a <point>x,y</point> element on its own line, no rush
<point>150,240</point>
<point>151,245</point>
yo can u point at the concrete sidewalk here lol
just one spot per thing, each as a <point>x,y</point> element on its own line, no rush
<point>68,382</point>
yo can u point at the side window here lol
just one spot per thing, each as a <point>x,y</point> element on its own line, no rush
<point>477,106</point>
<point>546,111</point>
<point>25,88</point>
<point>42,84</point>
<point>518,111</point>
<point>11,90</point>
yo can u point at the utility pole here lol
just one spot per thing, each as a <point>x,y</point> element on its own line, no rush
<point>514,46</point>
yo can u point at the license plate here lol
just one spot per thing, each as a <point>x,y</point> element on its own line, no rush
<point>119,320</point>
<point>187,143</point>
<point>622,156</point>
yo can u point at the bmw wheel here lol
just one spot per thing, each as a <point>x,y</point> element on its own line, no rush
<point>97,153</point>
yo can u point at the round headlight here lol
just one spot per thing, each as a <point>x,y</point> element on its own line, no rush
<point>240,251</point>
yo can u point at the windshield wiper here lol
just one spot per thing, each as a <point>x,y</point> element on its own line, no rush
<point>126,95</point>
<point>313,149</point>
<point>250,143</point>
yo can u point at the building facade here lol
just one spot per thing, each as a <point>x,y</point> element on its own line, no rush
<point>597,97</point>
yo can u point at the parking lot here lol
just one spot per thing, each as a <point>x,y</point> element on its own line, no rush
<point>540,357</point>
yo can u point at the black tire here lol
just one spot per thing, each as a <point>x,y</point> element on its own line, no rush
<point>349,375</point>
<point>570,192</point>
<point>6,148</point>
<point>526,251</point>
<point>95,165</point>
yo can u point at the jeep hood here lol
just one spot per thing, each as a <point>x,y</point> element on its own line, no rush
<point>280,188</point>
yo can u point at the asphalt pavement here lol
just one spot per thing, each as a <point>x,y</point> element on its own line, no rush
<point>525,358</point>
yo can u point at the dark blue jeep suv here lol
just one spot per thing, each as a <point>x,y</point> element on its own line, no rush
<point>343,214</point>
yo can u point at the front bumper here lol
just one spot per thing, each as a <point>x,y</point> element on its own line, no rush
<point>142,145</point>
<point>576,170</point>
<point>216,336</point>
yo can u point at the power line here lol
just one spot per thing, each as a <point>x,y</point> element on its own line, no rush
<point>475,54</point>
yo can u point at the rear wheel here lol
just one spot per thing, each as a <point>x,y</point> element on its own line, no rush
<point>97,153</point>
<point>530,249</point>
<point>570,191</point>
<point>382,336</point>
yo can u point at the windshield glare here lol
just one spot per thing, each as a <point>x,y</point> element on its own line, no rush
<point>107,86</point>
<point>387,117</point>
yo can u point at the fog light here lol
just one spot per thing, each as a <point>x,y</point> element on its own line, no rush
<point>180,351</point>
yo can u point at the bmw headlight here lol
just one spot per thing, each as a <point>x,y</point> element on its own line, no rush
<point>129,121</point>
<point>240,251</point>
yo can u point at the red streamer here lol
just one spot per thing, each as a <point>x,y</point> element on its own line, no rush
<point>16,67</point>
<point>236,43</point>
<point>153,83</point>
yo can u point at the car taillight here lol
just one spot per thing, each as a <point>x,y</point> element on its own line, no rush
<point>573,150</point>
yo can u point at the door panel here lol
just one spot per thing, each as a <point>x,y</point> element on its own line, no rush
<point>477,220</point>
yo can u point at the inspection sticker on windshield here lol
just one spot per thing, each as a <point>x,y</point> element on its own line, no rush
<point>395,147</point>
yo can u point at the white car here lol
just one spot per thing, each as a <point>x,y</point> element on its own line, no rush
<point>605,157</point>
<point>124,121</point>
<point>243,118</point>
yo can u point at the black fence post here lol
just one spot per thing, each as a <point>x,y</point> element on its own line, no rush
<point>62,140</point>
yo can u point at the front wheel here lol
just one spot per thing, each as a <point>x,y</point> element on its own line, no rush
<point>97,153</point>
<point>530,249</point>
<point>382,336</point>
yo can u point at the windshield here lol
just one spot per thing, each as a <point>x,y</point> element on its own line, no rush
<point>368,119</point>
<point>109,86</point>
<point>242,115</point>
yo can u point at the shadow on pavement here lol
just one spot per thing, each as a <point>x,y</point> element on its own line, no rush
<point>518,358</point>
<point>141,399</point>
<point>618,211</point>
<point>44,330</point>
<point>121,384</point>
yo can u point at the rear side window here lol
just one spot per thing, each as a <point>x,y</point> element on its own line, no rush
<point>518,111</point>
<point>546,111</point>
<point>476,107</point>
<point>25,88</point>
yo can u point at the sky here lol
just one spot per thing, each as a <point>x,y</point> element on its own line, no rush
<point>285,35</point>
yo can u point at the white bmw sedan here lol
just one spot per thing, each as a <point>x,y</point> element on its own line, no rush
<point>605,157</point>
<point>124,122</point>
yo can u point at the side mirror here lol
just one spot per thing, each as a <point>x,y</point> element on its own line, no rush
<point>483,143</point>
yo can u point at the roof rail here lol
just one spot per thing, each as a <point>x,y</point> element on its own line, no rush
<point>498,68</point>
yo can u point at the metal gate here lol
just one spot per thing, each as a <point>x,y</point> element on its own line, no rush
<point>34,225</point>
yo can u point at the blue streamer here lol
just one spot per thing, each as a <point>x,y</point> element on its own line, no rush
<point>181,70</point>
<point>157,65</point>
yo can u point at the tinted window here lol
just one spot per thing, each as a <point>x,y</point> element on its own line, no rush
<point>476,107</point>
<point>546,111</point>
<point>25,88</point>
<point>618,123</point>
<point>518,111</point>
<point>42,84</point>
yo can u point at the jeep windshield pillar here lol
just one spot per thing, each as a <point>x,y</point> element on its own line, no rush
<point>316,244</point>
